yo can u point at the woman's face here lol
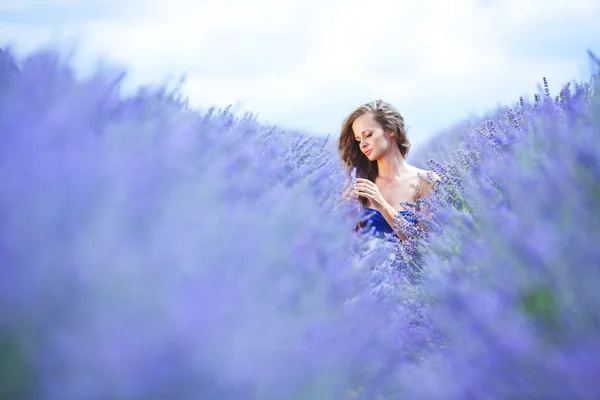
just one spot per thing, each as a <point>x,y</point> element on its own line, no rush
<point>374,142</point>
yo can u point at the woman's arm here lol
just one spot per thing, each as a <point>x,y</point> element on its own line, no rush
<point>390,214</point>
<point>369,189</point>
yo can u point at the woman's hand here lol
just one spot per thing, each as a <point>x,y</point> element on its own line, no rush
<point>368,189</point>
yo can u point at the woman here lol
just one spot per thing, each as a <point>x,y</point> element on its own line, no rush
<point>373,141</point>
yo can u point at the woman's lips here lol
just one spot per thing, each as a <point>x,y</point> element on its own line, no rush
<point>368,152</point>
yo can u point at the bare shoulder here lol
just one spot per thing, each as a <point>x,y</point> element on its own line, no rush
<point>426,180</point>
<point>428,176</point>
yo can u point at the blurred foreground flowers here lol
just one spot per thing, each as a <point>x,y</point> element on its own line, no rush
<point>150,251</point>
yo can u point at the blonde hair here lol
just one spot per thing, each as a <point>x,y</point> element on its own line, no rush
<point>389,118</point>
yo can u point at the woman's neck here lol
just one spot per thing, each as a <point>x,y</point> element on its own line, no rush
<point>392,166</point>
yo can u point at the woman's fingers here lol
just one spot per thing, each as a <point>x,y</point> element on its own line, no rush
<point>366,188</point>
<point>367,184</point>
<point>364,192</point>
<point>363,187</point>
<point>364,182</point>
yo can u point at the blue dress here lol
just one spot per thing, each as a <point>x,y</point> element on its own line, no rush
<point>373,219</point>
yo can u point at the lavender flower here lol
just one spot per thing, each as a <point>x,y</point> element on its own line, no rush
<point>513,296</point>
<point>153,251</point>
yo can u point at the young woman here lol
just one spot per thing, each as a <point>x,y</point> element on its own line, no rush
<point>373,141</point>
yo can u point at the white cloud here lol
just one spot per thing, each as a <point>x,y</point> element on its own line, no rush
<point>532,11</point>
<point>19,5</point>
<point>306,64</point>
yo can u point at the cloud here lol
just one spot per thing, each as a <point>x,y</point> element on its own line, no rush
<point>307,64</point>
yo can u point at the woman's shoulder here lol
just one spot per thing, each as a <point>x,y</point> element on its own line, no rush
<point>428,176</point>
<point>426,180</point>
<point>423,175</point>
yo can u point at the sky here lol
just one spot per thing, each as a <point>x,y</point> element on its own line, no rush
<point>306,64</point>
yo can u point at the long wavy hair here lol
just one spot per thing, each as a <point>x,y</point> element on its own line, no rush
<point>349,149</point>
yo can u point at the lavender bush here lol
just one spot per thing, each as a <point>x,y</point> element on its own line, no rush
<point>511,272</point>
<point>153,251</point>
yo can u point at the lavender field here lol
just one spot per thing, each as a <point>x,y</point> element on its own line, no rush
<point>153,251</point>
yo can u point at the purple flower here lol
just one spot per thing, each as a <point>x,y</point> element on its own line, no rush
<point>149,251</point>
<point>153,251</point>
<point>511,285</point>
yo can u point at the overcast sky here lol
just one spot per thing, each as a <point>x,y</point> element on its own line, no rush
<point>306,64</point>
